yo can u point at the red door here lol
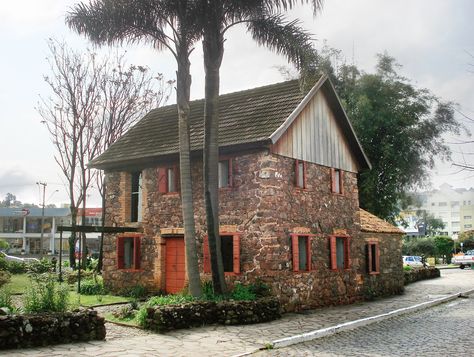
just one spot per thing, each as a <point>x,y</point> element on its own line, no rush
<point>175,267</point>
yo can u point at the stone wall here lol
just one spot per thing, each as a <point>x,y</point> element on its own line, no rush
<point>265,207</point>
<point>421,274</point>
<point>389,280</point>
<point>194,314</point>
<point>23,331</point>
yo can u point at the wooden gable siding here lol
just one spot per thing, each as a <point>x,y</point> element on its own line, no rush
<point>316,137</point>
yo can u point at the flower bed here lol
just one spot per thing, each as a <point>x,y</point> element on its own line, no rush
<point>23,331</point>
<point>199,313</point>
<point>411,276</point>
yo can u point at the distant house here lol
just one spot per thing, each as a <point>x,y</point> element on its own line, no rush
<point>289,207</point>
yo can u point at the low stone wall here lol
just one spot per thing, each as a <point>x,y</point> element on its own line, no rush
<point>165,318</point>
<point>421,274</point>
<point>22,331</point>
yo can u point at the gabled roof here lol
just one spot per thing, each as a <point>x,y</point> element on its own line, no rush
<point>374,224</point>
<point>250,117</point>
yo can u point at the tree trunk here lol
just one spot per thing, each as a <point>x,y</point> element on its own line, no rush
<point>72,238</point>
<point>213,47</point>
<point>183,88</point>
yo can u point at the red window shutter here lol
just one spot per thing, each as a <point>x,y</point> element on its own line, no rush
<point>304,174</point>
<point>297,175</point>
<point>333,180</point>
<point>205,256</point>
<point>341,181</point>
<point>162,180</point>
<point>294,252</point>
<point>369,257</point>
<point>347,255</point>
<point>120,252</point>
<point>231,173</point>
<point>177,178</point>
<point>308,252</point>
<point>236,253</point>
<point>137,255</point>
<point>377,257</point>
<point>332,252</point>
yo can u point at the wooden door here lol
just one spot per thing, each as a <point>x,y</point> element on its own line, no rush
<point>175,266</point>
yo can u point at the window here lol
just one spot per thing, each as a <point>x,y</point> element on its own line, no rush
<point>128,252</point>
<point>300,173</point>
<point>443,204</point>
<point>168,179</point>
<point>339,252</point>
<point>373,258</point>
<point>467,217</point>
<point>301,252</point>
<point>337,181</point>
<point>136,199</point>
<point>468,226</point>
<point>230,249</point>
<point>454,203</point>
<point>225,173</point>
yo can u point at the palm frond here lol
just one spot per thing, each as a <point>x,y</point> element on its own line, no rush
<point>283,37</point>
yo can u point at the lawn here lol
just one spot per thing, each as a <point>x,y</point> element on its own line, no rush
<point>19,283</point>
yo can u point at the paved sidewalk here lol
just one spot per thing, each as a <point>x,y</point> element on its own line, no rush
<point>233,340</point>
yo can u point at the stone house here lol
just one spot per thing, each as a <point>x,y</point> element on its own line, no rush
<point>289,208</point>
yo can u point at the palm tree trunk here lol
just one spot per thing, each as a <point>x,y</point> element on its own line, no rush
<point>183,87</point>
<point>213,47</point>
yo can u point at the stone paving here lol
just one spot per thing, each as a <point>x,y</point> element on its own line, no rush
<point>233,340</point>
<point>444,330</point>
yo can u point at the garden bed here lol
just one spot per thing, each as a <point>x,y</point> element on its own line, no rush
<point>199,313</point>
<point>410,276</point>
<point>23,331</point>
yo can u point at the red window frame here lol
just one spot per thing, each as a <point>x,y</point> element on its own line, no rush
<point>295,251</point>
<point>163,179</point>
<point>333,181</point>
<point>136,251</point>
<point>297,173</point>
<point>230,177</point>
<point>371,257</point>
<point>333,252</point>
<point>236,253</point>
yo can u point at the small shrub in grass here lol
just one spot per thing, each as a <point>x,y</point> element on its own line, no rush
<point>92,287</point>
<point>242,293</point>
<point>4,277</point>
<point>407,268</point>
<point>3,263</point>
<point>15,267</point>
<point>40,267</point>
<point>45,294</point>
<point>6,300</point>
<point>208,292</point>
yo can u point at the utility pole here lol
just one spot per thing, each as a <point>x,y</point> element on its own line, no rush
<point>44,184</point>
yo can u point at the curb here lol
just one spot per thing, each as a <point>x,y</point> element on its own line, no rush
<point>332,330</point>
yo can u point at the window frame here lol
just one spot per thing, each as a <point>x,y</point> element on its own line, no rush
<point>163,184</point>
<point>120,239</point>
<point>297,174</point>
<point>333,181</point>
<point>236,253</point>
<point>230,174</point>
<point>370,258</point>
<point>333,252</point>
<point>136,197</point>
<point>294,241</point>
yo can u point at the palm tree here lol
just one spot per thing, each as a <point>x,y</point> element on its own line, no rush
<point>165,24</point>
<point>267,28</point>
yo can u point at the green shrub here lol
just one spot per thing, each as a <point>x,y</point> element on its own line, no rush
<point>208,292</point>
<point>4,277</point>
<point>71,276</point>
<point>3,263</point>
<point>15,267</point>
<point>260,289</point>
<point>45,294</point>
<point>169,300</point>
<point>6,300</point>
<point>40,267</point>
<point>407,268</point>
<point>242,293</point>
<point>141,316</point>
<point>92,287</point>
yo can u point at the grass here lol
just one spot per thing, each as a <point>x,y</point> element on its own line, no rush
<point>18,283</point>
<point>130,321</point>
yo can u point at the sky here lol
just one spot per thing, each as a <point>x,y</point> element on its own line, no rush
<point>431,39</point>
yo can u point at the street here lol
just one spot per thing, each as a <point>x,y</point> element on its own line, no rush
<point>440,331</point>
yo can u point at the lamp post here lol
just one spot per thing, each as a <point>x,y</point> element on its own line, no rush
<point>44,184</point>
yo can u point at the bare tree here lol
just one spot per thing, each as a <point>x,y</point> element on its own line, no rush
<point>92,103</point>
